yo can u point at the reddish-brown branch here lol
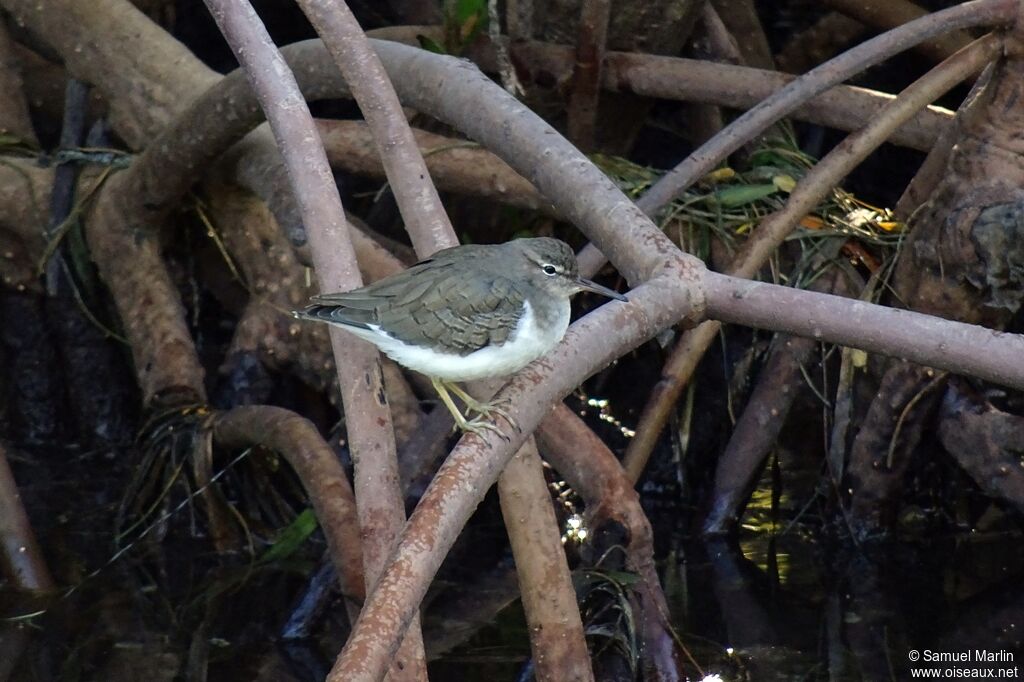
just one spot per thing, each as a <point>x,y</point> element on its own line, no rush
<point>549,600</point>
<point>297,440</point>
<point>740,18</point>
<point>146,75</point>
<point>24,190</point>
<point>739,87</point>
<point>14,118</point>
<point>591,38</point>
<point>985,442</point>
<point>819,42</point>
<point>21,558</point>
<point>593,471</point>
<point>455,165</point>
<point>923,339</point>
<point>124,244</point>
<point>888,14</point>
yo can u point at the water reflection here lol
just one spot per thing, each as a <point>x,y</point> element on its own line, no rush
<point>799,607</point>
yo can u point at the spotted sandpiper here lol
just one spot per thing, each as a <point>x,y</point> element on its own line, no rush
<point>468,312</point>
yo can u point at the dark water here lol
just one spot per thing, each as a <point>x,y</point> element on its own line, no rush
<point>780,604</point>
<point>784,607</point>
<point>789,599</point>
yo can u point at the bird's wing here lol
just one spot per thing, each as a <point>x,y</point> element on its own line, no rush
<point>361,307</point>
<point>454,316</point>
<point>405,287</point>
<point>434,306</point>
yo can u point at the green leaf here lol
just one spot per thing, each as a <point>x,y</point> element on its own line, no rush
<point>291,537</point>
<point>463,20</point>
<point>430,45</point>
<point>740,195</point>
<point>469,28</point>
<point>469,9</point>
<point>784,182</point>
<point>9,140</point>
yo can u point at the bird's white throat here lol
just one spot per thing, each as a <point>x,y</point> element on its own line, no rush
<point>530,339</point>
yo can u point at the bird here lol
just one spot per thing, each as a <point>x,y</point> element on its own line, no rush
<point>469,312</point>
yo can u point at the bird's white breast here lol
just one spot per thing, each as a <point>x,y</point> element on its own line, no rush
<point>527,342</point>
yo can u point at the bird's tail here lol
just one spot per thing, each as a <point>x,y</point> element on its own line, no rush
<point>331,314</point>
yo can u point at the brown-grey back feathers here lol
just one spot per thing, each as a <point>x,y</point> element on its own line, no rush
<point>460,300</point>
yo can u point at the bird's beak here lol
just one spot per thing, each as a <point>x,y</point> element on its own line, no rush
<point>587,285</point>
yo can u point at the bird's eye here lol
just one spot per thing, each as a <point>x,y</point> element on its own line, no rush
<point>549,270</point>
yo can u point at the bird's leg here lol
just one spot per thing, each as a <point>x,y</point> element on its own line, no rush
<point>476,426</point>
<point>483,409</point>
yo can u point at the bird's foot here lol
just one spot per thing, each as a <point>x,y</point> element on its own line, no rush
<point>480,425</point>
<point>482,422</point>
<point>485,409</point>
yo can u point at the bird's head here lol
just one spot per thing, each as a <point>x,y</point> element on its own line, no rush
<point>550,265</point>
